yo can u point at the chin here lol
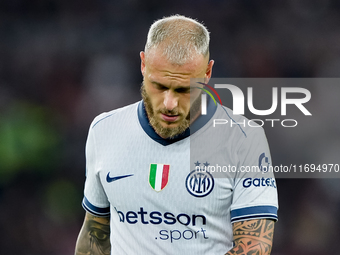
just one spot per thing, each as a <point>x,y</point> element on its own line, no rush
<point>169,125</point>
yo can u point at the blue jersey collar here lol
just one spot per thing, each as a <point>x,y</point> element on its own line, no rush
<point>196,125</point>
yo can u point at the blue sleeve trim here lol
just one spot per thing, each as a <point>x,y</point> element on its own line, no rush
<point>101,212</point>
<point>259,212</point>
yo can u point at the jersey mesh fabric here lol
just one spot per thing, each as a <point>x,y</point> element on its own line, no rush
<point>176,219</point>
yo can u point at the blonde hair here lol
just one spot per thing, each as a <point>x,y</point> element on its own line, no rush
<point>181,38</point>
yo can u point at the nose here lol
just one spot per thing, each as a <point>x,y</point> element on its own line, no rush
<point>170,100</point>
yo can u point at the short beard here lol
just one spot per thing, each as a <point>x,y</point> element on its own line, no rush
<point>166,132</point>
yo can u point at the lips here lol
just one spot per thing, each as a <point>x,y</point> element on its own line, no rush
<point>169,118</point>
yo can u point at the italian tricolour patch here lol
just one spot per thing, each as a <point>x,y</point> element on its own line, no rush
<point>159,176</point>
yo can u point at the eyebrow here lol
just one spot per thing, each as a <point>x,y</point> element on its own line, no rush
<point>177,88</point>
<point>157,83</point>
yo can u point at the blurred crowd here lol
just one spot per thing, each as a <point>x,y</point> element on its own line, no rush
<point>62,62</point>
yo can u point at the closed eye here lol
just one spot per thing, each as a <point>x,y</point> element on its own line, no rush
<point>159,86</point>
<point>183,90</point>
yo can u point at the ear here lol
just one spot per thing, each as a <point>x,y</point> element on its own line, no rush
<point>142,58</point>
<point>208,72</point>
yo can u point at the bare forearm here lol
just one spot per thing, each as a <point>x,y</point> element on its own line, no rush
<point>94,237</point>
<point>253,237</point>
<point>244,250</point>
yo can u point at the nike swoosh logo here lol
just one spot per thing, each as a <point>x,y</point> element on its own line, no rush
<point>111,179</point>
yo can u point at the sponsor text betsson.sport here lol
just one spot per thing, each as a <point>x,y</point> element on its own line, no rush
<point>195,222</point>
<point>239,102</point>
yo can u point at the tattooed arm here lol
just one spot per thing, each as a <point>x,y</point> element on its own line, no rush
<point>253,237</point>
<point>94,236</point>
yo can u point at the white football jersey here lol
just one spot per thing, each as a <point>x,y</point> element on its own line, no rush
<point>176,196</point>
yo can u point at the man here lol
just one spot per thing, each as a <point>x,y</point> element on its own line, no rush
<point>145,191</point>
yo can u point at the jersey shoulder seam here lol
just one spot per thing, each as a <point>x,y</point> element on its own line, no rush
<point>106,115</point>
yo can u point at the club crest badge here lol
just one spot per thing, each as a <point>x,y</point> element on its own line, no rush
<point>199,183</point>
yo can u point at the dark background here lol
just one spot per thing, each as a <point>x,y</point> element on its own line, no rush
<point>62,62</point>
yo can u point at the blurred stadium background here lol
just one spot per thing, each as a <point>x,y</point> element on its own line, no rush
<point>62,62</point>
